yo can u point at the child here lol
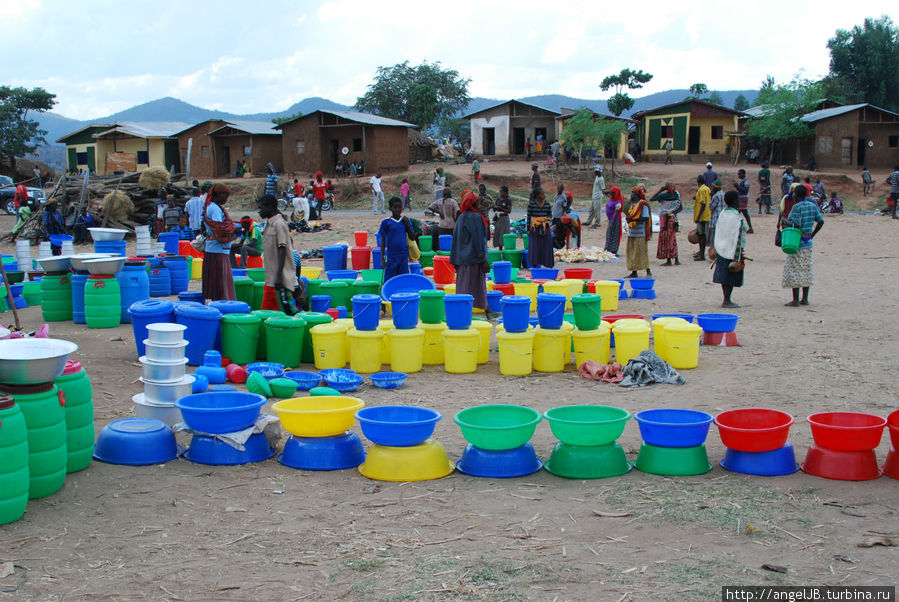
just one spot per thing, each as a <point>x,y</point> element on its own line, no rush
<point>393,232</point>
<point>184,231</point>
<point>836,204</point>
<point>742,188</point>
<point>280,273</point>
<point>299,293</point>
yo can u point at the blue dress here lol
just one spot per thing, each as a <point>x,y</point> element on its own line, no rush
<point>396,249</point>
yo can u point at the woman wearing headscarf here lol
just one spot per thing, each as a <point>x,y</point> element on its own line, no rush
<point>613,215</point>
<point>469,252</point>
<point>669,206</point>
<point>218,281</point>
<point>639,229</point>
<point>730,242</point>
<point>540,234</point>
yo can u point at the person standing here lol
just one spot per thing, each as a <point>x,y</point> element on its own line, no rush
<point>20,197</point>
<point>161,203</point>
<point>866,181</point>
<point>597,198</point>
<point>709,175</point>
<point>743,192</point>
<point>439,183</point>
<point>639,227</point>
<point>194,209</point>
<point>469,253</point>
<point>319,194</point>
<point>484,203</point>
<point>53,223</point>
<point>786,180</point>
<point>730,242</point>
<point>527,149</point>
<point>799,268</point>
<point>448,210</point>
<point>893,181</point>
<point>271,180</point>
<point>670,205</point>
<point>765,188</point>
<point>218,281</point>
<point>280,271</point>
<point>171,215</point>
<point>560,203</point>
<point>404,194</point>
<point>702,215</point>
<point>540,235</point>
<point>377,195</point>
<point>249,245</point>
<point>394,233</point>
<point>501,210</point>
<point>613,215</point>
<point>534,183</point>
<point>668,149</point>
<point>475,168</point>
<point>716,206</point>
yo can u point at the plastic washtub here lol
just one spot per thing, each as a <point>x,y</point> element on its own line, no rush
<point>717,322</point>
<point>268,370</point>
<point>397,426</point>
<point>587,425</point>
<point>220,412</point>
<point>304,380</point>
<point>674,427</point>
<point>498,427</point>
<point>136,442</point>
<point>318,416</point>
<point>847,431</point>
<point>754,429</point>
<point>406,283</point>
<point>388,380</point>
<point>342,379</point>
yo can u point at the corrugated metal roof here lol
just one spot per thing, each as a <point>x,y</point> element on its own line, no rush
<point>759,111</point>
<point>249,127</point>
<point>369,119</point>
<point>79,130</point>
<point>833,112</point>
<point>699,101</point>
<point>503,102</point>
<point>147,129</point>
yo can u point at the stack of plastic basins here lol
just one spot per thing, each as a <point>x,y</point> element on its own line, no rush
<point>406,339</point>
<point>844,446</point>
<point>461,342</point>
<point>179,274</point>
<point>588,445</point>
<point>756,441</point>
<point>365,339</point>
<point>552,347</point>
<point>498,441</point>
<point>516,337</point>
<point>144,242</point>
<point>673,442</point>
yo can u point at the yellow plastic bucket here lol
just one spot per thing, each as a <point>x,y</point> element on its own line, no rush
<point>528,289</point>
<point>572,287</point>
<point>329,346</point>
<point>485,329</point>
<point>406,349</point>
<point>568,327</point>
<point>631,338</point>
<point>310,272</point>
<point>681,344</point>
<point>658,325</point>
<point>516,352</point>
<point>460,350</point>
<point>365,350</point>
<point>386,326</point>
<point>449,289</point>
<point>608,290</point>
<point>592,344</point>
<point>432,350</point>
<point>550,347</point>
<point>196,268</point>
<point>559,287</point>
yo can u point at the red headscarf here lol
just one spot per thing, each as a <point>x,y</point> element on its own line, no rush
<point>216,188</point>
<point>641,192</point>
<point>469,203</point>
<point>615,194</point>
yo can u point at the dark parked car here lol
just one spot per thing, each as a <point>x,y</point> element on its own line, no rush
<point>8,193</point>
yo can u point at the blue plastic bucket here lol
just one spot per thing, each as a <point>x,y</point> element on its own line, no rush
<point>493,300</point>
<point>550,310</point>
<point>228,307</point>
<point>148,311</point>
<point>110,246</point>
<point>179,274</point>
<point>415,268</point>
<point>405,310</point>
<point>446,242</point>
<point>202,325</point>
<point>516,311</point>
<point>458,310</point>
<point>335,257</point>
<point>376,258</point>
<point>320,303</point>
<point>79,279</point>
<point>366,311</point>
<point>192,296</point>
<point>341,274</point>
<point>341,312</point>
<point>502,272</point>
<point>135,286</point>
<point>170,240</point>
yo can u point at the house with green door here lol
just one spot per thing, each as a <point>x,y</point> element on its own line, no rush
<point>125,146</point>
<point>81,147</point>
<point>694,127</point>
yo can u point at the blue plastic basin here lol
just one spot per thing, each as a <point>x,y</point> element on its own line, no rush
<point>503,464</point>
<point>717,322</point>
<point>544,273</point>
<point>343,380</point>
<point>406,283</point>
<point>269,370</point>
<point>772,463</point>
<point>304,380</point>
<point>136,442</point>
<point>209,450</point>
<point>642,284</point>
<point>674,427</point>
<point>397,426</point>
<point>388,380</point>
<point>220,412</point>
<point>323,453</point>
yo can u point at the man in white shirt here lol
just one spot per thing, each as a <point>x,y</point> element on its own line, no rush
<point>377,200</point>
<point>194,209</point>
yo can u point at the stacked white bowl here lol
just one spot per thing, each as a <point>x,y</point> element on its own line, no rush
<point>160,248</point>
<point>144,242</point>
<point>23,254</point>
<point>68,247</point>
<point>163,374</point>
<point>44,251</point>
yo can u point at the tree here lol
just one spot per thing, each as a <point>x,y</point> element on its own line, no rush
<point>864,63</point>
<point>715,98</point>
<point>422,95</point>
<point>586,130</point>
<point>455,126</point>
<point>697,91</point>
<point>628,79</point>
<point>782,106</point>
<point>740,103</point>
<point>283,120</point>
<point>18,134</point>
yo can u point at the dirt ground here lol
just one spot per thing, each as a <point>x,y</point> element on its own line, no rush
<point>184,531</point>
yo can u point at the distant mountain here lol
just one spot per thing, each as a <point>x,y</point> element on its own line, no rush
<point>166,109</point>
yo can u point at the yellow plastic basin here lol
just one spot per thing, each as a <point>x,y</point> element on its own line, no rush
<point>417,463</point>
<point>325,416</point>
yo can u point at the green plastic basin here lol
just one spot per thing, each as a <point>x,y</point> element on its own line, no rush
<point>587,424</point>
<point>498,427</point>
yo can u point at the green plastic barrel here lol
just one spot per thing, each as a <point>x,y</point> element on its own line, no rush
<point>42,406</point>
<point>102,301</point>
<point>364,287</point>
<point>425,243</point>
<point>339,292</point>
<point>263,314</point>
<point>14,475</point>
<point>32,293</point>
<point>494,255</point>
<point>258,294</point>
<point>509,241</point>
<point>79,412</point>
<point>240,336</point>
<point>312,318</point>
<point>256,274</point>
<point>430,306</point>
<point>586,307</point>
<point>243,289</point>
<point>56,297</point>
<point>284,340</point>
<point>524,240</point>
<point>513,256</point>
<point>427,258</point>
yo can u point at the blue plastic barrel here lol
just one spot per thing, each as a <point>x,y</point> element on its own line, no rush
<point>550,310</point>
<point>192,296</point>
<point>502,272</point>
<point>335,257</point>
<point>134,284</point>
<point>110,246</point>
<point>366,311</point>
<point>516,311</point>
<point>458,310</point>
<point>446,242</point>
<point>178,273</point>
<point>202,325</point>
<point>160,281</point>
<point>170,240</point>
<point>228,307</point>
<point>493,300</point>
<point>320,303</point>
<point>78,281</point>
<point>148,311</point>
<point>404,307</point>
<point>376,258</point>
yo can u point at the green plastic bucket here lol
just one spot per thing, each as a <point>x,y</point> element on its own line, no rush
<point>364,287</point>
<point>339,292</point>
<point>312,318</point>
<point>426,243</point>
<point>264,314</point>
<point>430,306</point>
<point>510,241</point>
<point>284,340</point>
<point>427,259</point>
<point>513,256</point>
<point>314,287</point>
<point>256,274</point>
<point>524,239</point>
<point>32,293</point>
<point>789,240</point>
<point>372,276</point>
<point>586,307</point>
<point>258,294</point>
<point>243,289</point>
<point>240,337</point>
<point>494,255</point>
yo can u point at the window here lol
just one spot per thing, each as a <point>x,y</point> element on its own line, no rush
<point>204,151</point>
<point>667,131</point>
<point>717,132</point>
<point>81,159</point>
<point>248,151</point>
<point>357,145</point>
<point>301,146</point>
<point>143,158</point>
<point>894,141</point>
<point>825,144</point>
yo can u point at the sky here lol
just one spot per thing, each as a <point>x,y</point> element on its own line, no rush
<point>103,56</point>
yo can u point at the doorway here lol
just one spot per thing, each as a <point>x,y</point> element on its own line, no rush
<point>226,159</point>
<point>489,141</point>
<point>860,155</point>
<point>846,151</point>
<point>517,141</point>
<point>693,140</point>
<point>333,153</point>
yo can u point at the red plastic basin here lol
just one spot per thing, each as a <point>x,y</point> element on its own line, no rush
<point>893,425</point>
<point>615,318</point>
<point>847,431</point>
<point>891,466</point>
<point>578,273</point>
<point>506,289</point>
<point>841,465</point>
<point>753,429</point>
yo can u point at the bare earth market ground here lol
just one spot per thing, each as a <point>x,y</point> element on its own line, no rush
<point>187,531</point>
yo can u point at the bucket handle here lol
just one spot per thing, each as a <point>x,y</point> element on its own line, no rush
<point>480,343</point>
<point>595,347</point>
<point>665,342</point>
<point>531,353</point>
<point>342,338</point>
<point>551,339</point>
<point>240,328</point>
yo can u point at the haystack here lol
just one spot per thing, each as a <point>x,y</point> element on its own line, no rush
<point>153,178</point>
<point>117,206</point>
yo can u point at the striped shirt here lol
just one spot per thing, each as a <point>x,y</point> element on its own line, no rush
<point>194,209</point>
<point>804,215</point>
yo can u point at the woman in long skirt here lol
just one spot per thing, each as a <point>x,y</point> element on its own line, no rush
<point>670,206</point>
<point>799,269</point>
<point>540,234</point>
<point>469,252</point>
<point>613,216</point>
<point>638,220</point>
<point>218,280</point>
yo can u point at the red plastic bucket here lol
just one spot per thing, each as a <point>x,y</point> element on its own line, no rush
<point>361,256</point>
<point>444,272</point>
<point>505,289</point>
<point>361,238</point>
